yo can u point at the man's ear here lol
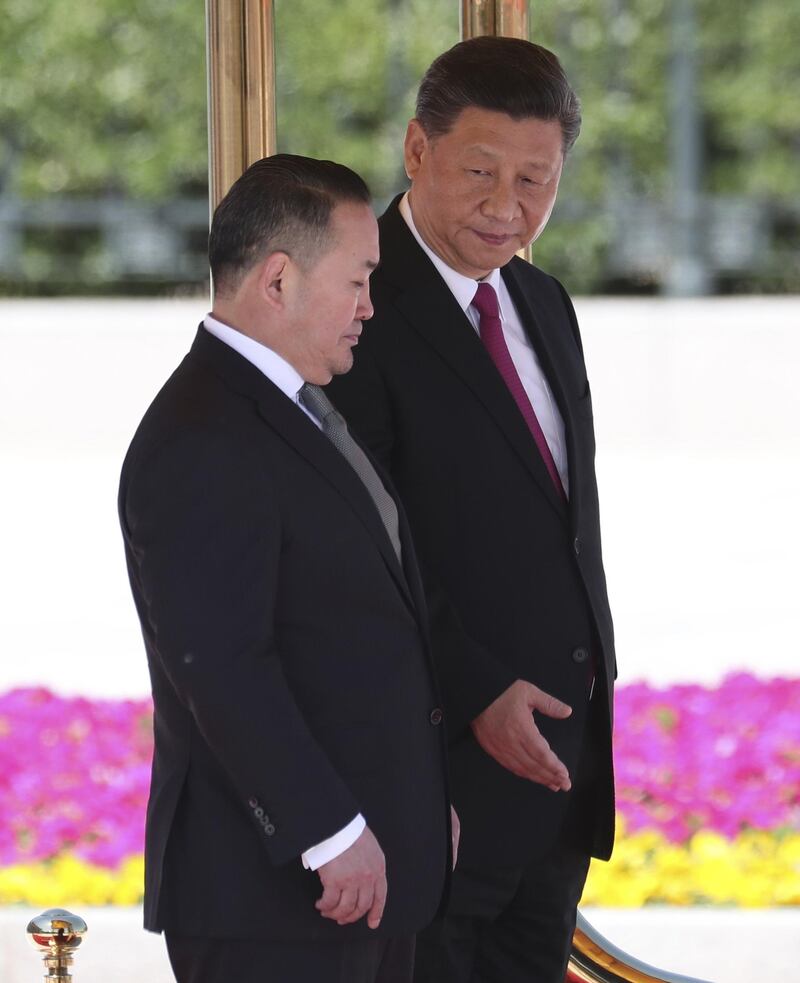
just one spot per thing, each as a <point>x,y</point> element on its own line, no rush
<point>414,148</point>
<point>273,279</point>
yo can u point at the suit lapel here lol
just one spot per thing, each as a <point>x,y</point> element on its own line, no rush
<point>294,427</point>
<point>429,307</point>
<point>542,329</point>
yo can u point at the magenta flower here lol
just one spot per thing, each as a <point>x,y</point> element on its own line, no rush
<point>75,773</point>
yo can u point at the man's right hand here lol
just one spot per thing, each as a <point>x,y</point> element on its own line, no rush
<point>354,883</point>
<point>506,730</point>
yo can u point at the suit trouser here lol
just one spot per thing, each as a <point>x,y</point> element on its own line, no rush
<point>249,961</point>
<point>524,917</point>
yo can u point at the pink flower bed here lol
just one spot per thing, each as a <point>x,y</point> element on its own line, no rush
<point>74,773</point>
<point>74,776</point>
<point>723,759</point>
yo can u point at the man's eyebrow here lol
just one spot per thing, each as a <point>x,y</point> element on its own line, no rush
<point>479,148</point>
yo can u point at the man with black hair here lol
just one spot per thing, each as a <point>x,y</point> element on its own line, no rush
<point>469,386</point>
<point>298,827</point>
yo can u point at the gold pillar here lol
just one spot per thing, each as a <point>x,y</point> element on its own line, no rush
<point>241,88</point>
<point>505,18</point>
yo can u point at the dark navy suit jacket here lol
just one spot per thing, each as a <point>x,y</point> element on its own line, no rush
<point>514,576</point>
<point>291,677</point>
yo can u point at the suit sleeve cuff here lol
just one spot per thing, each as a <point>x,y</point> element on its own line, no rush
<point>330,849</point>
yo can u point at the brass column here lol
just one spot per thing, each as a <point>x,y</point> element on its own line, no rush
<point>241,88</point>
<point>241,76</point>
<point>506,18</point>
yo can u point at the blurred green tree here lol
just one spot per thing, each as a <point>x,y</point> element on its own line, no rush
<point>109,99</point>
<point>103,97</point>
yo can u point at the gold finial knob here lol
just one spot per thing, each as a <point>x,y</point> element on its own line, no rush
<point>57,933</point>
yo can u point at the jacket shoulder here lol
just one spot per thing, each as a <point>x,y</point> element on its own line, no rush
<point>547,291</point>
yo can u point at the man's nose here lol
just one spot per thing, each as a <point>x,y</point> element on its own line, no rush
<point>365,310</point>
<point>502,204</point>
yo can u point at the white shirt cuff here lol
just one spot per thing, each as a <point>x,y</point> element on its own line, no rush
<point>335,845</point>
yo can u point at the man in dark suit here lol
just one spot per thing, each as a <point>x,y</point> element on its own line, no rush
<point>297,726</point>
<point>470,387</point>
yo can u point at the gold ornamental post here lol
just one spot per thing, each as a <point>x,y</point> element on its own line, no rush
<point>241,88</point>
<point>57,933</point>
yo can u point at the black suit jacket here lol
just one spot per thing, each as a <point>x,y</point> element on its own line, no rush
<point>291,678</point>
<point>514,576</point>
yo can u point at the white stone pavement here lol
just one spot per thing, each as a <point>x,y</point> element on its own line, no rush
<point>721,946</point>
<point>697,412</point>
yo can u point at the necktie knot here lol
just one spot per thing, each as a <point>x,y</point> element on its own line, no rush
<point>485,301</point>
<point>316,402</point>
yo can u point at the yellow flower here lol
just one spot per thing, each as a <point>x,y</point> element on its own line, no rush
<point>756,869</point>
<point>68,881</point>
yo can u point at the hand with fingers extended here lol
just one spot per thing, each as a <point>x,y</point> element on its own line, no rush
<point>354,883</point>
<point>507,731</point>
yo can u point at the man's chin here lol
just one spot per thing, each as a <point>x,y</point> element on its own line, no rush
<point>343,365</point>
<point>486,258</point>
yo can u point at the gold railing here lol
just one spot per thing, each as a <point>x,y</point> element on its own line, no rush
<point>596,960</point>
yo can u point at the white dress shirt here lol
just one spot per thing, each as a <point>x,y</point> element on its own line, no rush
<point>522,354</point>
<point>289,381</point>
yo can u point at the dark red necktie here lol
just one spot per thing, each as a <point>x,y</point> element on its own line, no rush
<point>491,329</point>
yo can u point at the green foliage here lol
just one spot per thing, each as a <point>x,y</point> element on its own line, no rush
<point>346,89</point>
<point>750,85</point>
<point>109,98</point>
<point>102,97</point>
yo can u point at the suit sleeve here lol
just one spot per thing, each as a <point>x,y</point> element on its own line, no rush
<point>203,528</point>
<point>469,676</point>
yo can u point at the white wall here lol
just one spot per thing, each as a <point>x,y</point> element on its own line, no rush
<point>698,422</point>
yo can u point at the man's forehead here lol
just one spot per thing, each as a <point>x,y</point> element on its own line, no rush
<point>355,222</point>
<point>493,134</point>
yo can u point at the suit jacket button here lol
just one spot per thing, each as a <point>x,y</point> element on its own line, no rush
<point>577,546</point>
<point>580,655</point>
<point>436,717</point>
<point>269,829</point>
<point>253,803</point>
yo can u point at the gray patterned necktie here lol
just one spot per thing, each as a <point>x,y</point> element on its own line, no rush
<point>335,429</point>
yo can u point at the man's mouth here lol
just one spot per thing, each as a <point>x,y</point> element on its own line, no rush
<point>492,239</point>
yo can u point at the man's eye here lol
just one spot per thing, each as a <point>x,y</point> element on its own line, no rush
<point>478,171</point>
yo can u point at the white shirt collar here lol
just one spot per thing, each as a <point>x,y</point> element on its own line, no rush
<point>270,363</point>
<point>462,287</point>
